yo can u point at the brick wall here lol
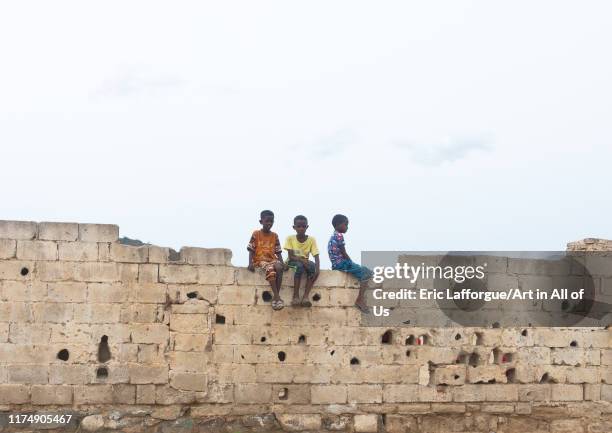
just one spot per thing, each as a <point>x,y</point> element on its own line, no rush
<point>90,325</point>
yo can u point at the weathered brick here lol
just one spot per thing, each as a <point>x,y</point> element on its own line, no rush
<point>36,250</point>
<point>158,254</point>
<point>8,248</point>
<point>148,273</point>
<point>252,393</point>
<point>18,229</point>
<point>190,342</point>
<point>67,292</point>
<point>14,394</point>
<point>98,232</point>
<point>78,251</point>
<point>236,295</point>
<point>19,291</point>
<point>145,394</point>
<point>183,274</point>
<point>143,374</point>
<point>150,333</point>
<point>97,313</point>
<point>206,256</point>
<point>400,393</point>
<point>58,231</point>
<point>93,394</point>
<point>51,394</point>
<point>54,312</point>
<point>365,393</point>
<point>70,374</point>
<point>15,312</point>
<point>188,381</point>
<point>128,253</point>
<point>188,322</point>
<point>562,392</point>
<point>27,373</point>
<point>365,423</point>
<point>299,422</point>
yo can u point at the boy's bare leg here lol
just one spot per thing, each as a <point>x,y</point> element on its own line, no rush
<point>360,301</point>
<point>278,267</point>
<point>296,290</point>
<point>309,284</point>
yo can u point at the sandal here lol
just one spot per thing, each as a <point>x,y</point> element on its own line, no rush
<point>306,303</point>
<point>278,305</point>
<point>295,302</point>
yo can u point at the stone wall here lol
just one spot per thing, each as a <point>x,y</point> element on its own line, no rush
<point>125,338</point>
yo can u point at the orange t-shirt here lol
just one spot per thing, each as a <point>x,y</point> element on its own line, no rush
<point>265,246</point>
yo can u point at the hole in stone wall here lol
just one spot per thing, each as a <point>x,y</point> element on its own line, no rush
<point>354,361</point>
<point>461,358</point>
<point>474,359</point>
<point>282,356</point>
<point>408,353</point>
<point>302,339</point>
<point>192,295</point>
<point>496,356</point>
<point>574,343</point>
<point>524,333</point>
<point>266,296</point>
<point>219,319</point>
<point>495,325</point>
<point>24,271</point>
<point>479,339</point>
<point>103,350</point>
<point>410,340</point>
<point>457,336</point>
<point>316,297</point>
<point>101,373</point>
<point>456,376</point>
<point>283,394</point>
<point>507,357</point>
<point>547,379</point>
<point>422,340</point>
<point>332,352</point>
<point>262,339</point>
<point>387,337</point>
<point>511,375</point>
<point>63,355</point>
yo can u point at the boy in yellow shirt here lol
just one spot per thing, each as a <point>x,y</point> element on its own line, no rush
<point>300,246</point>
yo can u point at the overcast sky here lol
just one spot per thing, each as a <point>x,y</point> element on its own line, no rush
<point>445,125</point>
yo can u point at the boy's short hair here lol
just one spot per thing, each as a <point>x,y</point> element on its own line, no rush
<point>300,218</point>
<point>338,219</point>
<point>266,213</point>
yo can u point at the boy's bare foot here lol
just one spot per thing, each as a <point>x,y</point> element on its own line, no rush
<point>295,302</point>
<point>360,303</point>
<point>306,303</point>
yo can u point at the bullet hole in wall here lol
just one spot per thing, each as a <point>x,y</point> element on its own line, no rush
<point>103,350</point>
<point>511,375</point>
<point>262,339</point>
<point>24,271</point>
<point>410,340</point>
<point>266,296</point>
<point>524,333</point>
<point>387,337</point>
<point>282,356</point>
<point>479,339</point>
<point>219,319</point>
<point>354,361</point>
<point>457,336</point>
<point>474,359</point>
<point>283,394</point>
<point>102,373</point>
<point>574,343</point>
<point>192,295</point>
<point>316,297</point>
<point>302,339</point>
<point>63,355</point>
<point>495,325</point>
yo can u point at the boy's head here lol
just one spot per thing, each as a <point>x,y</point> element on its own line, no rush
<point>300,224</point>
<point>266,220</point>
<point>340,223</point>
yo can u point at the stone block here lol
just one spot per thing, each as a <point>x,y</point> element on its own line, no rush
<point>78,251</point>
<point>449,375</point>
<point>124,394</point>
<point>563,392</point>
<point>51,394</point>
<point>145,374</point>
<point>148,273</point>
<point>188,381</point>
<point>52,271</point>
<point>365,393</point>
<point>188,323</point>
<point>128,253</point>
<point>15,312</point>
<point>400,393</point>
<point>567,425</point>
<point>535,392</point>
<point>20,291</point>
<point>236,295</point>
<point>468,393</point>
<point>141,313</point>
<point>299,422</point>
<point>331,279</point>
<point>145,394</point>
<point>365,423</point>
<point>606,392</point>
<point>58,231</point>
<point>182,274</point>
<point>97,313</point>
<point>36,250</point>
<point>27,373</point>
<point>69,374</point>
<point>18,229</point>
<point>400,423</point>
<point>328,394</point>
<point>53,312</point>
<point>67,292</point>
<point>98,272</point>
<point>252,393</point>
<point>189,342</point>
<point>98,232</point>
<point>8,248</point>
<point>435,394</point>
<point>150,333</point>
<point>206,256</point>
<point>93,394</point>
<point>14,394</point>
<point>220,275</point>
<point>183,293</point>
<point>148,293</point>
<point>158,254</point>
<point>504,392</point>
<point>195,362</point>
<point>107,292</point>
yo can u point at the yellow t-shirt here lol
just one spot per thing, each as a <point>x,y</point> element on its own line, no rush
<point>301,249</point>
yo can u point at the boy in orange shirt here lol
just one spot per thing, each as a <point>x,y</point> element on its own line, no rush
<point>265,252</point>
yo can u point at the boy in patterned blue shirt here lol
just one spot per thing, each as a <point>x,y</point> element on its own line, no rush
<point>341,261</point>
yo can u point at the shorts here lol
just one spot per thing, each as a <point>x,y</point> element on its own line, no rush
<point>268,268</point>
<point>299,268</point>
<point>360,272</point>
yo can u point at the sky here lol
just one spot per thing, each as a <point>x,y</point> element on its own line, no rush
<point>444,125</point>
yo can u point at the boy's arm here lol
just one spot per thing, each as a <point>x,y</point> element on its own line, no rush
<point>251,266</point>
<point>344,253</point>
<point>317,264</point>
